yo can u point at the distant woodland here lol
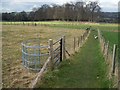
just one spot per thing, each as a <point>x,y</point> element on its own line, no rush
<point>78,11</point>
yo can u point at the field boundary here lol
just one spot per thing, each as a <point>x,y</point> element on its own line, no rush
<point>49,64</point>
<point>110,55</point>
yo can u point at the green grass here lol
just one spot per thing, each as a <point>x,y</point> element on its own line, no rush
<point>108,27</point>
<point>86,69</point>
<point>70,25</point>
<point>112,37</point>
<point>104,27</point>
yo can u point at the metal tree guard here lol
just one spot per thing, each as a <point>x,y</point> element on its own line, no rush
<point>32,53</point>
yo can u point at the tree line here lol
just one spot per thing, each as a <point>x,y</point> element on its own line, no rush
<point>77,11</point>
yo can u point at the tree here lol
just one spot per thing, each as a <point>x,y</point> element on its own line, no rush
<point>44,13</point>
<point>58,12</point>
<point>78,11</point>
<point>68,11</point>
<point>79,8</point>
<point>94,8</point>
<point>31,16</point>
<point>24,16</point>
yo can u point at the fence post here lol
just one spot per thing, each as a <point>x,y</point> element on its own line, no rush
<point>113,58</point>
<point>83,37</point>
<point>78,41</point>
<point>61,49</point>
<point>63,45</point>
<point>99,35</point>
<point>103,45</point>
<point>85,34</point>
<point>51,53</point>
<point>81,41</point>
<point>107,49</point>
<point>74,44</point>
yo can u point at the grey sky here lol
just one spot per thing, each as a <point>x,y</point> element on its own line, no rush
<point>27,5</point>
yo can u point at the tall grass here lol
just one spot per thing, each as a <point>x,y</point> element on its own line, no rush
<point>13,36</point>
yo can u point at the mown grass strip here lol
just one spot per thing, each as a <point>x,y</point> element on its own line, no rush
<point>86,69</point>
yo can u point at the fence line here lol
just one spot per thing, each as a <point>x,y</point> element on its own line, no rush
<point>57,53</point>
<point>40,74</point>
<point>110,55</point>
<point>79,41</point>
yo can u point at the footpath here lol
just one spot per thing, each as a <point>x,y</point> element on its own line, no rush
<point>85,69</point>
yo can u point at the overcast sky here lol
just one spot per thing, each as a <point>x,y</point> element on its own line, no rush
<point>27,5</point>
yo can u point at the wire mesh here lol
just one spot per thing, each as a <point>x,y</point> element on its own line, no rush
<point>34,54</point>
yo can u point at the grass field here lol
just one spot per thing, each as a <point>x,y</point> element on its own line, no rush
<point>13,34</point>
<point>70,25</point>
<point>14,75</point>
<point>111,36</point>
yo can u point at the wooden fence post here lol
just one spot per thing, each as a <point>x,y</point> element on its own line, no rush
<point>63,46</point>
<point>61,49</point>
<point>85,34</point>
<point>78,41</point>
<point>100,37</point>
<point>107,50</point>
<point>74,44</point>
<point>51,53</point>
<point>103,46</point>
<point>81,40</point>
<point>113,58</point>
<point>83,37</point>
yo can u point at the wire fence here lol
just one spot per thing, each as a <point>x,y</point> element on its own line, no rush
<point>110,54</point>
<point>73,44</point>
<point>58,53</point>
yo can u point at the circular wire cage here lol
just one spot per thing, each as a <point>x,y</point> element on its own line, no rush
<point>34,54</point>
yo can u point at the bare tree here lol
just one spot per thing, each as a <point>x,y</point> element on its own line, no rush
<point>94,8</point>
<point>78,11</point>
